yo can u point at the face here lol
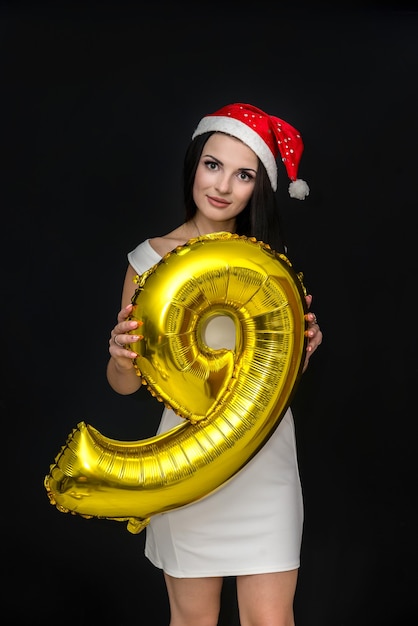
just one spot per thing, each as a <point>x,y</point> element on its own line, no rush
<point>225,178</point>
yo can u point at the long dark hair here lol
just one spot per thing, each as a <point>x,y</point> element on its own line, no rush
<point>260,218</point>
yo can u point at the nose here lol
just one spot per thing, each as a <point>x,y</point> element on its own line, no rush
<point>223,183</point>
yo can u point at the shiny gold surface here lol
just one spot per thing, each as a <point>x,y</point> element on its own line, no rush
<point>232,398</point>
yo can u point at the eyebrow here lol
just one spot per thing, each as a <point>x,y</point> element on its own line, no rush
<point>241,169</point>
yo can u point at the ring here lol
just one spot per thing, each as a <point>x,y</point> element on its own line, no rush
<point>117,342</point>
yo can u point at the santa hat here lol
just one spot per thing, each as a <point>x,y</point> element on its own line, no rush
<point>266,135</point>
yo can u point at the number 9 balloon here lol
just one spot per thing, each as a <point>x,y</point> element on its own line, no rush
<point>231,400</point>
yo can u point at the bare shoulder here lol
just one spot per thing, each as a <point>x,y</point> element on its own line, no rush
<point>166,243</point>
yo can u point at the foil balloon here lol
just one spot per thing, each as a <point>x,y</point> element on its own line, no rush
<point>232,397</point>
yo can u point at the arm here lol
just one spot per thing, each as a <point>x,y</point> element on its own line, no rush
<point>120,372</point>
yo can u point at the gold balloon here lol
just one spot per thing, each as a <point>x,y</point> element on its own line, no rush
<point>232,399</point>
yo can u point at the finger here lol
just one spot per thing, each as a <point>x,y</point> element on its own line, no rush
<point>116,342</point>
<point>312,318</point>
<point>123,328</point>
<point>125,313</point>
<point>116,339</point>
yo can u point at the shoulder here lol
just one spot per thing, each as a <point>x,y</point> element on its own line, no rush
<point>150,251</point>
<point>166,243</point>
<point>163,245</point>
<point>143,257</point>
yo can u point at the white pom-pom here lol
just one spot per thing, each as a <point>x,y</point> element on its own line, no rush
<point>298,189</point>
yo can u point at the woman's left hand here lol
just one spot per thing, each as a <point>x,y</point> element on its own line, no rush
<point>313,332</point>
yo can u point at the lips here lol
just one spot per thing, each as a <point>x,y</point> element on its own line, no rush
<point>218,202</point>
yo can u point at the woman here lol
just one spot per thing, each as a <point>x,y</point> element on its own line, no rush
<point>251,527</point>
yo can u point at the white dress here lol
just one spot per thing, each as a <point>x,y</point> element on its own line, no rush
<point>251,525</point>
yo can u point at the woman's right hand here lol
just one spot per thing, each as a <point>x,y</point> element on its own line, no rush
<point>121,335</point>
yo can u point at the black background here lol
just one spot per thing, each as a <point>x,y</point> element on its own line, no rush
<point>98,105</point>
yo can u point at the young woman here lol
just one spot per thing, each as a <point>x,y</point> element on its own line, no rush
<point>251,527</point>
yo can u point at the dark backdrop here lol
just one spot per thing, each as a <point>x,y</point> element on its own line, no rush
<point>98,105</point>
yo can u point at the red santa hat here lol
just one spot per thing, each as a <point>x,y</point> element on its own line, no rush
<point>266,135</point>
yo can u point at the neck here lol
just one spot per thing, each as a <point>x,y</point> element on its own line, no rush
<point>201,227</point>
<point>193,220</point>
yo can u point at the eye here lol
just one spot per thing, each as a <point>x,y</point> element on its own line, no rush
<point>211,165</point>
<point>245,176</point>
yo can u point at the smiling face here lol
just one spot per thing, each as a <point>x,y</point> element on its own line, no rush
<point>224,180</point>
